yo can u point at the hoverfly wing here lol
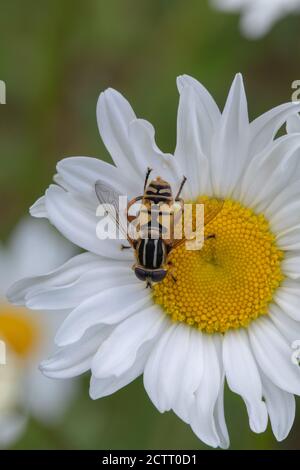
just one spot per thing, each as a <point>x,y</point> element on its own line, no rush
<point>109,198</point>
<point>212,209</point>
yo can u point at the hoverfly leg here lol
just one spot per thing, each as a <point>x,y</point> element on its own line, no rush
<point>180,188</point>
<point>125,247</point>
<point>212,247</point>
<point>209,237</point>
<point>170,264</point>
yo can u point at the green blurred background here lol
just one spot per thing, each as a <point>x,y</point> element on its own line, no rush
<point>55,57</point>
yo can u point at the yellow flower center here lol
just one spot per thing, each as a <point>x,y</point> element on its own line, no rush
<point>18,330</point>
<point>231,280</point>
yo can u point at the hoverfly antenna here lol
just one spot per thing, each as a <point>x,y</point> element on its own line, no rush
<point>149,170</point>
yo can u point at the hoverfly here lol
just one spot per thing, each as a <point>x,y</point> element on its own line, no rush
<point>152,248</point>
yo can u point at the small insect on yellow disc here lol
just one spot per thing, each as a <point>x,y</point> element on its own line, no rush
<point>18,330</point>
<point>231,280</point>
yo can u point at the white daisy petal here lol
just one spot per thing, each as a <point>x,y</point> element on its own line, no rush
<point>269,172</point>
<point>79,175</point>
<point>258,16</point>
<point>220,423</point>
<point>89,284</point>
<point>254,24</point>
<point>122,135</point>
<point>230,143</point>
<point>243,377</point>
<point>78,224</point>
<point>281,408</point>
<point>179,349</point>
<point>288,327</point>
<point>227,5</point>
<point>153,368</point>
<point>287,216</point>
<point>66,274</point>
<point>75,359</point>
<point>273,355</point>
<point>27,253</point>
<point>264,129</point>
<point>103,387</point>
<point>118,353</point>
<point>219,416</point>
<point>12,424</point>
<point>33,248</point>
<point>198,117</point>
<point>142,133</point>
<point>283,210</point>
<point>54,395</point>
<point>291,265</point>
<point>207,395</point>
<point>210,107</point>
<point>109,306</point>
<point>5,269</point>
<point>114,115</point>
<point>191,372</point>
<point>288,297</point>
<point>38,209</point>
<point>289,240</point>
<point>293,124</point>
<point>171,362</point>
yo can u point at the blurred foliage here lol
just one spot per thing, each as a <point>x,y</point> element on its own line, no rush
<point>56,56</point>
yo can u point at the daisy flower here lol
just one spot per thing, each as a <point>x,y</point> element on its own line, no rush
<point>258,16</point>
<point>233,312</point>
<point>26,336</point>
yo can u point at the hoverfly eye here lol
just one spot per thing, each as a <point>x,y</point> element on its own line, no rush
<point>140,273</point>
<point>158,276</point>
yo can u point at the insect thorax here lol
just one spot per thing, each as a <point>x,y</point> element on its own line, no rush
<point>158,191</point>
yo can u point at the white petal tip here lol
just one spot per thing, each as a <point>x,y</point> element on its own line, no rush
<point>48,369</point>
<point>92,396</point>
<point>182,81</point>
<point>61,341</point>
<point>280,437</point>
<point>32,306</point>
<point>44,367</point>
<point>107,94</point>
<point>239,76</point>
<point>224,445</point>
<point>238,80</point>
<point>258,428</point>
<point>38,209</point>
<point>12,295</point>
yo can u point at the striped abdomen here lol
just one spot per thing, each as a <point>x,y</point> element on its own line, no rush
<point>151,253</point>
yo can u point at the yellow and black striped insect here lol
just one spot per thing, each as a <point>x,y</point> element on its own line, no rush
<point>157,231</point>
<point>156,239</point>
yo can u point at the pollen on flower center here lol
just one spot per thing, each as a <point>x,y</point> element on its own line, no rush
<point>231,280</point>
<point>18,330</point>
